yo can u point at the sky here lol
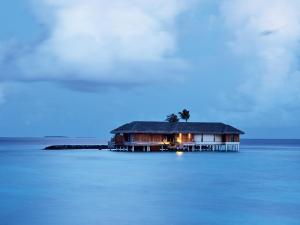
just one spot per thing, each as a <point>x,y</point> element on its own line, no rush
<point>81,68</point>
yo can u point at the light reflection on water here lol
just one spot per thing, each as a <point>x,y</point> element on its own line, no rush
<point>101,187</point>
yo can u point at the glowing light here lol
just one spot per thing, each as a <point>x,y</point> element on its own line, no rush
<point>179,138</point>
<point>178,153</point>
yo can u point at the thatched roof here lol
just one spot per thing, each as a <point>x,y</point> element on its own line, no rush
<point>179,127</point>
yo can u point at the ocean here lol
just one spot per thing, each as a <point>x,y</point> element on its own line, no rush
<point>258,185</point>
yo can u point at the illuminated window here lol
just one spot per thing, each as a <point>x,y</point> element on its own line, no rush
<point>179,138</point>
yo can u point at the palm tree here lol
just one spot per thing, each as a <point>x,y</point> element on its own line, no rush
<point>185,115</point>
<point>172,118</point>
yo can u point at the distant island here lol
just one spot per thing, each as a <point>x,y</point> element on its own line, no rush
<point>56,137</point>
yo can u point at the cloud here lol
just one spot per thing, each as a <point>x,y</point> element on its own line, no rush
<point>265,36</point>
<point>104,41</point>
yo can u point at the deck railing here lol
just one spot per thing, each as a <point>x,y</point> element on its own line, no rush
<point>189,146</point>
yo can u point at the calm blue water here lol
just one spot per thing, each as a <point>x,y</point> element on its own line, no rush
<point>259,185</point>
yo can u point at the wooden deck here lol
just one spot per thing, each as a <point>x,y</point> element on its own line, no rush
<point>186,147</point>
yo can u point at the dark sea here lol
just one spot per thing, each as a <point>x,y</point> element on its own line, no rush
<point>260,185</point>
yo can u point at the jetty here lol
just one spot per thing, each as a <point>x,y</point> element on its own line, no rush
<point>75,147</point>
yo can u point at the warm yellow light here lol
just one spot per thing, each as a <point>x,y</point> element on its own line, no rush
<point>179,138</point>
<point>178,153</point>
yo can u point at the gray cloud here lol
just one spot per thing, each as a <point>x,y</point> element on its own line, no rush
<point>100,42</point>
<point>266,35</point>
<point>268,32</point>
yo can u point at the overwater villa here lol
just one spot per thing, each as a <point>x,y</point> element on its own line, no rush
<point>165,136</point>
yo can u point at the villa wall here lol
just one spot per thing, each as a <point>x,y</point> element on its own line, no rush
<point>199,138</point>
<point>180,138</point>
<point>147,137</point>
<point>184,138</point>
<point>119,139</point>
<point>231,138</point>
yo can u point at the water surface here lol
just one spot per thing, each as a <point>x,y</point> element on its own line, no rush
<point>258,185</point>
